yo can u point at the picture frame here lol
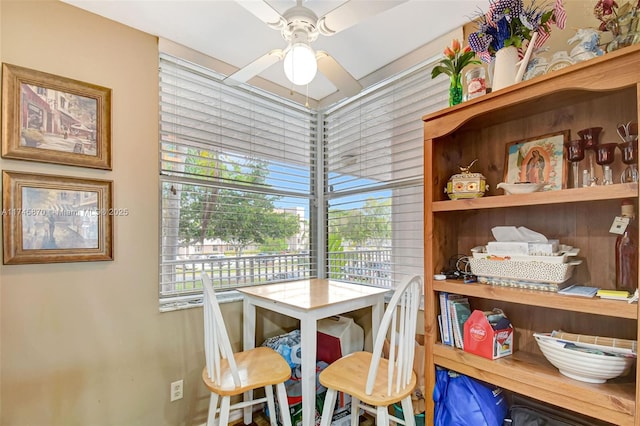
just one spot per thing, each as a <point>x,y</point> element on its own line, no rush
<point>538,159</point>
<point>54,119</point>
<point>49,218</point>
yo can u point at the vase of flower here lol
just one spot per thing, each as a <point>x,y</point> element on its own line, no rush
<point>621,20</point>
<point>455,59</point>
<point>510,28</point>
<point>505,67</point>
<point>624,30</point>
<point>455,89</point>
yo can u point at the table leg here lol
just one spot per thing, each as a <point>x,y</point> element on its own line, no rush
<point>377,311</point>
<point>308,330</point>
<point>249,342</point>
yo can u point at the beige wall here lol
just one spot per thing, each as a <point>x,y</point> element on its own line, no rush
<point>84,343</point>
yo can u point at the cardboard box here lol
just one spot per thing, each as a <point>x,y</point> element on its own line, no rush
<point>338,336</point>
<point>417,396</point>
<point>488,334</point>
<point>341,414</point>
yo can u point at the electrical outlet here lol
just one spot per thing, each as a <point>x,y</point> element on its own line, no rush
<point>177,390</point>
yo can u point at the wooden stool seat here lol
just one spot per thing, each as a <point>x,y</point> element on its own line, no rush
<point>227,374</point>
<point>257,368</point>
<point>375,382</point>
<point>349,375</point>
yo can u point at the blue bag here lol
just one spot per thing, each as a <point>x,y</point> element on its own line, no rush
<point>463,401</point>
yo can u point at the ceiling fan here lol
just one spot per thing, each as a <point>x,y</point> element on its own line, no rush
<point>300,26</point>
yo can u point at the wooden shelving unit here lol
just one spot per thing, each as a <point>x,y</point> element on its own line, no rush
<point>600,92</point>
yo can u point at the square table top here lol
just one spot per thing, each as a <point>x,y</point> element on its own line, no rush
<point>312,293</point>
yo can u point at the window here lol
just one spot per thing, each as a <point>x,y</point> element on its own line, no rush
<point>238,178</point>
<point>236,184</point>
<point>373,175</point>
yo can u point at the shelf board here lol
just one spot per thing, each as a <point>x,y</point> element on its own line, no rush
<point>567,99</point>
<point>552,91</point>
<point>595,305</point>
<point>573,195</point>
<point>532,375</point>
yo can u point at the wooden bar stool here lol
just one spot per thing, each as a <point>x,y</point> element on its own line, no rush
<point>373,382</point>
<point>227,374</point>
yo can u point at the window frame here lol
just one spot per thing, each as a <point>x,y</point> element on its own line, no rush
<point>320,195</point>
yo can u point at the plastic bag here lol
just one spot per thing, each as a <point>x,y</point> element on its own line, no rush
<point>462,401</point>
<point>525,416</point>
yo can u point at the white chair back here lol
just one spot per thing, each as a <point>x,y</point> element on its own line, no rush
<point>216,340</point>
<point>399,324</point>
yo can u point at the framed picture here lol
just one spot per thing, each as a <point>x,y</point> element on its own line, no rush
<point>55,119</point>
<point>48,218</point>
<point>537,160</point>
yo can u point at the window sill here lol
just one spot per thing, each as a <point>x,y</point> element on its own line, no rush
<point>195,301</point>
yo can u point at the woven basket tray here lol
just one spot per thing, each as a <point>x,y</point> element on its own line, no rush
<point>597,340</point>
<point>525,271</point>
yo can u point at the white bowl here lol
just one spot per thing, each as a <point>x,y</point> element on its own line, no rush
<point>521,187</point>
<point>614,349</point>
<point>590,366</point>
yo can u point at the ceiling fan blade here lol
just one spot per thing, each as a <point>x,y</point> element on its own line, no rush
<point>352,12</point>
<point>340,78</point>
<point>254,68</point>
<point>264,12</point>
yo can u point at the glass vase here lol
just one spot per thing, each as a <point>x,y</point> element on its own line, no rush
<point>575,154</point>
<point>455,89</point>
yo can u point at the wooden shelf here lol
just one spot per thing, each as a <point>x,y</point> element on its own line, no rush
<point>552,91</point>
<point>597,306</point>
<point>534,376</point>
<point>577,97</point>
<point>574,195</point>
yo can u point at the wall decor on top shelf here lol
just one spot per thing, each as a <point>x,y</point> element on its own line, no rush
<point>49,218</point>
<point>538,160</point>
<point>54,119</point>
<point>586,43</point>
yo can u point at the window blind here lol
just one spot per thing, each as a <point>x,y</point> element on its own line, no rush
<point>373,165</point>
<point>237,167</point>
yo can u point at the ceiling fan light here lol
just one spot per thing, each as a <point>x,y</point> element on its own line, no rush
<point>300,65</point>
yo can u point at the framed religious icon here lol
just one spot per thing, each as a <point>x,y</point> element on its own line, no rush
<point>538,160</point>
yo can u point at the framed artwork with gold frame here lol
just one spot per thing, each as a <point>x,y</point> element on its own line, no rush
<point>54,119</point>
<point>49,218</point>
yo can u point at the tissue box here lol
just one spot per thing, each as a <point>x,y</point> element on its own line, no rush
<point>548,248</point>
<point>488,334</point>
<point>506,248</point>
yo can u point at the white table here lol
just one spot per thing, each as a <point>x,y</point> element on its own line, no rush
<point>308,301</point>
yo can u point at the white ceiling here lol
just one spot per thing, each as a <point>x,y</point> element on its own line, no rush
<point>224,30</point>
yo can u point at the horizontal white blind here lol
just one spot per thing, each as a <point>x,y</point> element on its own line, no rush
<point>236,183</point>
<point>374,179</point>
<point>198,111</point>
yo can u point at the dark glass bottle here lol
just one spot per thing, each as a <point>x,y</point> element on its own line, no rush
<point>627,252</point>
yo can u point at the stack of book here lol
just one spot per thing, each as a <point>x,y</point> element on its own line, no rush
<point>454,311</point>
<point>614,294</point>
